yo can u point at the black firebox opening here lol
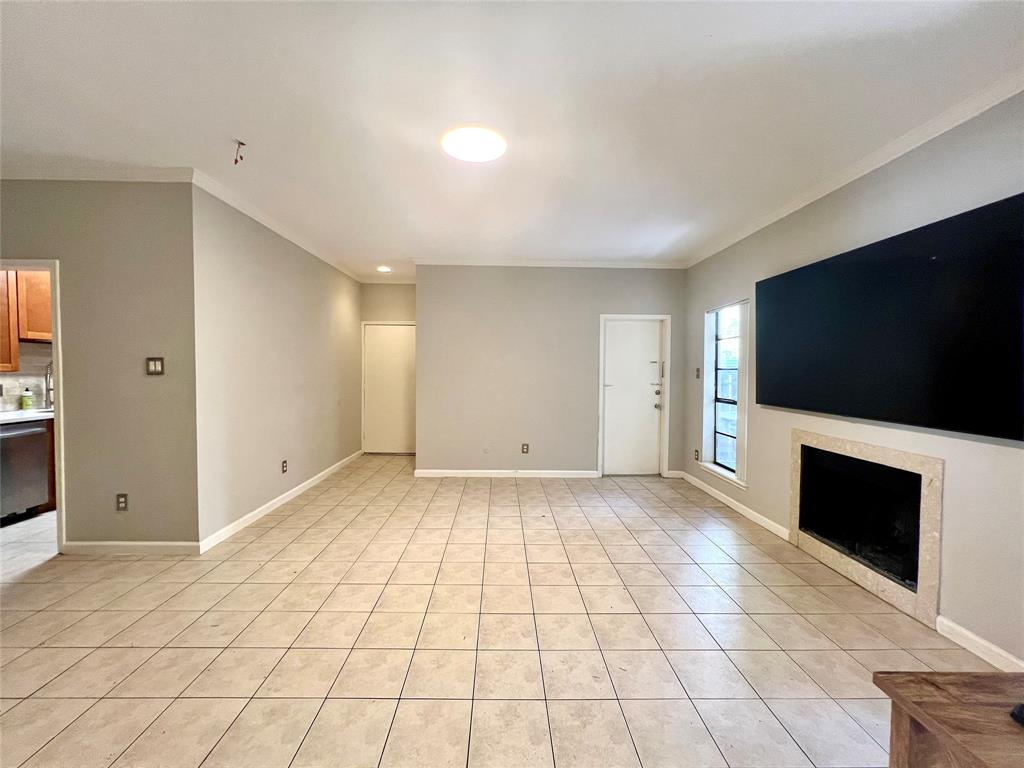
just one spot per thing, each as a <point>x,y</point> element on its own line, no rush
<point>869,511</point>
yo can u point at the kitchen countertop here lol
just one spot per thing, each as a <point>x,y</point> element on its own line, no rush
<point>16,417</point>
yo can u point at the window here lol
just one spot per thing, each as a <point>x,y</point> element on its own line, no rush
<point>725,390</point>
<point>727,381</point>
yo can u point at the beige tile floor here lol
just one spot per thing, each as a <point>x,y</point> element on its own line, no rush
<point>380,620</point>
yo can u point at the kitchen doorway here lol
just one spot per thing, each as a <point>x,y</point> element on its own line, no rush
<point>32,505</point>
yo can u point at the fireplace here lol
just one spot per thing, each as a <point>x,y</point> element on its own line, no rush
<point>873,513</point>
<point>866,510</point>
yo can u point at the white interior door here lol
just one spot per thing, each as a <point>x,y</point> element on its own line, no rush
<point>632,396</point>
<point>389,388</point>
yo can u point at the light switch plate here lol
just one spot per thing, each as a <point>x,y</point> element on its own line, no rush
<point>154,366</point>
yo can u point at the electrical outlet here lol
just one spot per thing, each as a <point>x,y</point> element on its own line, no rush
<point>284,466</point>
<point>121,502</point>
<point>526,448</point>
<point>696,455</point>
<point>698,373</point>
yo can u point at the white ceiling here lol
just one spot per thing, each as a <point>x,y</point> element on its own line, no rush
<point>638,134</point>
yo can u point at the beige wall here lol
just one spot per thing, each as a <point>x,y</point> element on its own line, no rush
<point>277,340</point>
<point>508,355</point>
<point>388,302</point>
<point>125,252</point>
<point>983,526</point>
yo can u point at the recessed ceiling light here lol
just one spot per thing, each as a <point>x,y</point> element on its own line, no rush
<point>474,144</point>
<point>383,268</point>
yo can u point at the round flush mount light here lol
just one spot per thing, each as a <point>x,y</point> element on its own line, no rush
<point>474,144</point>
<point>383,269</point>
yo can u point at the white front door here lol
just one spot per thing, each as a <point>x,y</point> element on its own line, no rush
<point>389,388</point>
<point>632,396</point>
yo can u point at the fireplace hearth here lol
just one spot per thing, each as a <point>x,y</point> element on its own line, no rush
<point>869,511</point>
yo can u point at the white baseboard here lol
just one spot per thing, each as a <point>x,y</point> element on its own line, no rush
<point>231,528</point>
<point>130,548</point>
<point>979,646</point>
<point>566,473</point>
<point>747,512</point>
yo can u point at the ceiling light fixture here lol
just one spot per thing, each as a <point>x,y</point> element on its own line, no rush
<point>474,144</point>
<point>384,269</point>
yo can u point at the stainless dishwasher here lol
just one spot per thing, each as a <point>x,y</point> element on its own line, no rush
<point>24,467</point>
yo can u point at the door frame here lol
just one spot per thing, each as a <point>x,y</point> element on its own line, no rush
<point>53,267</point>
<point>362,376</point>
<point>666,356</point>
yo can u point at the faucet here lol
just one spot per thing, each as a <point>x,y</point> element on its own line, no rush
<point>48,386</point>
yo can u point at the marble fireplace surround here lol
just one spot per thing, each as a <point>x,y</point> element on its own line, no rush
<point>923,604</point>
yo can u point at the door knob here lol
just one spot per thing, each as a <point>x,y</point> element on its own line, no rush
<point>657,391</point>
<point>658,406</point>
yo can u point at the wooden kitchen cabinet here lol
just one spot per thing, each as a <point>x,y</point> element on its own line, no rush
<point>35,315</point>
<point>9,354</point>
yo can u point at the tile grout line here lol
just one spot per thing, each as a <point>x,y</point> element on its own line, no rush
<point>600,648</point>
<point>536,630</point>
<point>370,613</point>
<point>412,655</point>
<point>665,655</point>
<point>479,619</point>
<point>323,702</point>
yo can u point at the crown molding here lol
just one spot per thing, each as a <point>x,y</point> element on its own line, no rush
<point>998,92</point>
<point>17,172</point>
<point>562,264</point>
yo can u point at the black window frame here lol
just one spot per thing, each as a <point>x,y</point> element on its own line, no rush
<point>724,400</point>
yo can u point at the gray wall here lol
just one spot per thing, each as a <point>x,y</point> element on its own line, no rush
<point>388,302</point>
<point>509,355</point>
<point>983,525</point>
<point>125,252</point>
<point>277,340</point>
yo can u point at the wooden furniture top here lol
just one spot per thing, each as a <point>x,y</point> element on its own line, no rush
<point>968,712</point>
